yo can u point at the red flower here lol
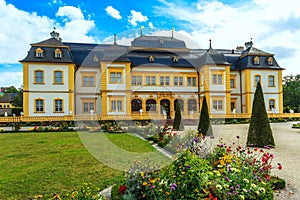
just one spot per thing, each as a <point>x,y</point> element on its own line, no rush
<point>122,189</point>
<point>256,149</point>
<point>228,149</point>
<point>279,166</point>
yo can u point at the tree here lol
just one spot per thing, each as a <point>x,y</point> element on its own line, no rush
<point>204,125</point>
<point>11,89</point>
<point>260,132</point>
<point>291,92</point>
<point>17,101</point>
<point>177,124</point>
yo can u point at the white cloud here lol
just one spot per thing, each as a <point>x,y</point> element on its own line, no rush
<point>271,23</point>
<point>136,17</point>
<point>19,29</point>
<point>70,12</point>
<point>114,13</point>
<point>11,79</point>
<point>150,24</point>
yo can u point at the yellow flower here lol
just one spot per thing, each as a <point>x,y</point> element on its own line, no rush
<point>142,174</point>
<point>253,185</point>
<point>152,181</point>
<point>246,180</point>
<point>145,183</point>
<point>219,187</point>
<point>262,190</point>
<point>38,196</point>
<point>257,192</point>
<point>241,197</point>
<point>183,172</point>
<point>167,193</point>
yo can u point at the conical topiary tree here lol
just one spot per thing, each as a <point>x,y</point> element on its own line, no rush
<point>204,125</point>
<point>177,124</point>
<point>260,132</point>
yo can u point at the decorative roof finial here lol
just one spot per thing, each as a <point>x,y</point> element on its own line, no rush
<point>55,34</point>
<point>115,38</point>
<point>141,29</point>
<point>173,32</point>
<point>210,43</point>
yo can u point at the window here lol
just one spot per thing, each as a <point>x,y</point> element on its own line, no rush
<point>115,77</point>
<point>58,105</point>
<point>151,58</point>
<point>38,76</point>
<point>191,81</point>
<point>164,80</point>
<point>175,59</point>
<point>270,61</point>
<point>271,104</point>
<point>178,81</point>
<point>136,105</point>
<point>271,81</point>
<point>150,80</point>
<point>136,80</point>
<point>256,60</point>
<point>233,81</point>
<point>218,104</point>
<point>39,105</point>
<point>150,105</point>
<point>217,79</point>
<point>257,78</point>
<point>58,77</point>
<point>88,105</point>
<point>39,53</point>
<point>88,80</point>
<point>57,53</point>
<point>116,105</point>
<point>192,105</point>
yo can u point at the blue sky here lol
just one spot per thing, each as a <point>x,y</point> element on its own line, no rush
<point>274,26</point>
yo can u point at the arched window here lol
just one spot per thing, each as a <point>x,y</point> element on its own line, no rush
<point>256,60</point>
<point>136,105</point>
<point>175,59</point>
<point>270,61</point>
<point>192,105</point>
<point>39,53</point>
<point>151,58</point>
<point>57,53</point>
<point>181,103</point>
<point>150,105</point>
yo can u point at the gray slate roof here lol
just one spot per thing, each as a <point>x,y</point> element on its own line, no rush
<point>83,54</point>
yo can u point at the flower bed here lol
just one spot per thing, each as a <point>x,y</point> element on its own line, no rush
<point>224,172</point>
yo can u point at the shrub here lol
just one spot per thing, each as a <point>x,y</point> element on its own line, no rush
<point>260,132</point>
<point>204,125</point>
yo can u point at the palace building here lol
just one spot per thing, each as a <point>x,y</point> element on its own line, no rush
<point>146,79</point>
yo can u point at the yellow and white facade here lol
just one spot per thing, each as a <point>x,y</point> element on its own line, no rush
<point>146,80</point>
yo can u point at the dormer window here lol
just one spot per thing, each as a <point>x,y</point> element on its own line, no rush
<point>175,59</point>
<point>58,53</point>
<point>39,53</point>
<point>270,61</point>
<point>256,60</point>
<point>151,58</point>
<point>161,41</point>
<point>96,59</point>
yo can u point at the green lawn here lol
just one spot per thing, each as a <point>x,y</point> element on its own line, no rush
<point>58,162</point>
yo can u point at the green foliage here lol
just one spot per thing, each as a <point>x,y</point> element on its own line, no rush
<point>225,172</point>
<point>17,101</point>
<point>291,92</point>
<point>178,124</point>
<point>260,132</point>
<point>204,125</point>
<point>11,89</point>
